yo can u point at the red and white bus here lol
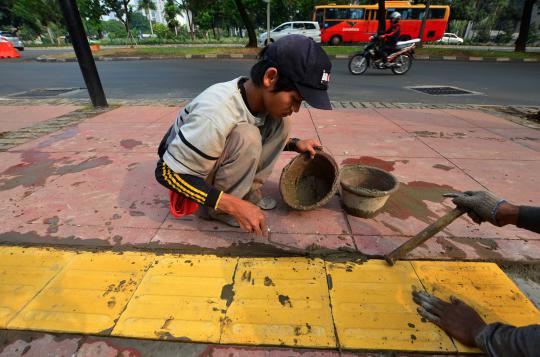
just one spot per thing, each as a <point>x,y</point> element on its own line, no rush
<point>356,23</point>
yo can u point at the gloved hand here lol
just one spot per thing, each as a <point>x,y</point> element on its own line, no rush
<point>481,206</point>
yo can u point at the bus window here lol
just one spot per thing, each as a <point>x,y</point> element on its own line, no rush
<point>371,15</point>
<point>436,14</point>
<point>337,13</point>
<point>417,14</point>
<point>319,17</point>
<point>330,23</point>
<point>406,14</point>
<point>357,14</point>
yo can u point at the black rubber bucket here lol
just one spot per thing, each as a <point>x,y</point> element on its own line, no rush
<point>307,184</point>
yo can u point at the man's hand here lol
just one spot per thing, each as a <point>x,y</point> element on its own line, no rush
<point>249,217</point>
<point>481,206</point>
<point>456,318</point>
<point>309,145</point>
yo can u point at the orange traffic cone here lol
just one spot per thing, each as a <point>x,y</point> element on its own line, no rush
<point>8,51</point>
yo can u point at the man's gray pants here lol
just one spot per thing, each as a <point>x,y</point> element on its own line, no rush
<point>249,156</point>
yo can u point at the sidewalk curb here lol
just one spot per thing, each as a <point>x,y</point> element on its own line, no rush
<point>334,57</point>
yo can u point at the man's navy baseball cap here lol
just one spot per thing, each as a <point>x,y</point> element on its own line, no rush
<point>305,63</point>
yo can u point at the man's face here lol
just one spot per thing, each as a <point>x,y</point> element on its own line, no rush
<point>279,104</point>
<point>282,104</point>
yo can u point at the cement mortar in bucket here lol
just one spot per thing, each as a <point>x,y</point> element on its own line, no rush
<point>365,189</point>
<point>306,183</point>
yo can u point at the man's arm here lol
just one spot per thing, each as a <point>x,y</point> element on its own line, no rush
<point>529,218</point>
<point>249,217</point>
<point>500,340</point>
<point>483,206</point>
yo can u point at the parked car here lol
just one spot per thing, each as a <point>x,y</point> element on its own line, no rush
<point>451,39</point>
<point>11,37</point>
<point>309,29</point>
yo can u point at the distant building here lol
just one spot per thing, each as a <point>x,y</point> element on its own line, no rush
<point>535,16</point>
<point>158,15</point>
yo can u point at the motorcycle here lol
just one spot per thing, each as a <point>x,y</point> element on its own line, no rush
<point>399,61</point>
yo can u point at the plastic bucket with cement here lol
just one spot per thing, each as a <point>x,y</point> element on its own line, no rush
<point>306,183</point>
<point>365,189</point>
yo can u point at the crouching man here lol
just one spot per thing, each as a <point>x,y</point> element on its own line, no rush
<point>223,145</point>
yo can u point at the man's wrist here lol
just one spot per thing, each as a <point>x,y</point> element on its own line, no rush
<point>292,144</point>
<point>507,213</point>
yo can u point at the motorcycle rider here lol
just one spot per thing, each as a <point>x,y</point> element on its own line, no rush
<point>391,36</point>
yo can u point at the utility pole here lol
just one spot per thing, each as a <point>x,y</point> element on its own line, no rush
<point>82,50</point>
<point>267,21</point>
<point>423,26</point>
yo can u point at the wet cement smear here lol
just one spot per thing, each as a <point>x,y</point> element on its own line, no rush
<point>485,248</point>
<point>284,300</point>
<point>386,165</point>
<point>227,294</point>
<point>130,143</point>
<point>443,167</point>
<point>36,167</point>
<point>410,200</point>
<point>55,138</point>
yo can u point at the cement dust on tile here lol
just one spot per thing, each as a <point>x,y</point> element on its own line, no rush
<point>181,298</point>
<point>270,308</point>
<point>24,272</point>
<point>484,286</point>
<point>373,308</point>
<point>87,296</point>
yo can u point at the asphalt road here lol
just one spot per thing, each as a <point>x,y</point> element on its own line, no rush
<point>499,83</point>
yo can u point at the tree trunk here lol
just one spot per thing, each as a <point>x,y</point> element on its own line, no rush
<point>381,17</point>
<point>49,31</point>
<point>248,23</point>
<point>423,26</point>
<point>150,21</point>
<point>190,24</point>
<point>521,42</point>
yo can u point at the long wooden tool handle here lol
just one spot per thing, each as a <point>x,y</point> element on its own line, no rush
<point>421,237</point>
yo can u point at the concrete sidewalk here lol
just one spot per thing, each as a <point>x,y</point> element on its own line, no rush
<point>84,179</point>
<point>92,184</point>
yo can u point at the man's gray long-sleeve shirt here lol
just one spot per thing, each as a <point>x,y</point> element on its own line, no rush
<point>500,340</point>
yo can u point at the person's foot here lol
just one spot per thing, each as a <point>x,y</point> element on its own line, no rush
<point>456,318</point>
<point>223,218</point>
<point>264,203</point>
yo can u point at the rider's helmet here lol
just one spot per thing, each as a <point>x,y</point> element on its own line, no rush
<point>395,17</point>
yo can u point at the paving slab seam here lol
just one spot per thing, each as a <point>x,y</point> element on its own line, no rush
<point>425,288</point>
<point>329,287</point>
<point>233,282</point>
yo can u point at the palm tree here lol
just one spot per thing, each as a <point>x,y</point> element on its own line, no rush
<point>146,6</point>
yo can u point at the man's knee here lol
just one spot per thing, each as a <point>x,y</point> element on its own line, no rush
<point>245,138</point>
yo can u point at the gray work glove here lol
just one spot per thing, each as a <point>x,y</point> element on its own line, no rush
<point>481,206</point>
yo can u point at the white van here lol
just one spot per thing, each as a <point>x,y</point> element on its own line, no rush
<point>307,28</point>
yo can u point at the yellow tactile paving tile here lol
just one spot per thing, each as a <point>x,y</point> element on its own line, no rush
<point>23,273</point>
<point>87,296</point>
<point>181,297</point>
<point>280,302</point>
<point>373,308</point>
<point>484,286</point>
<point>259,301</point>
